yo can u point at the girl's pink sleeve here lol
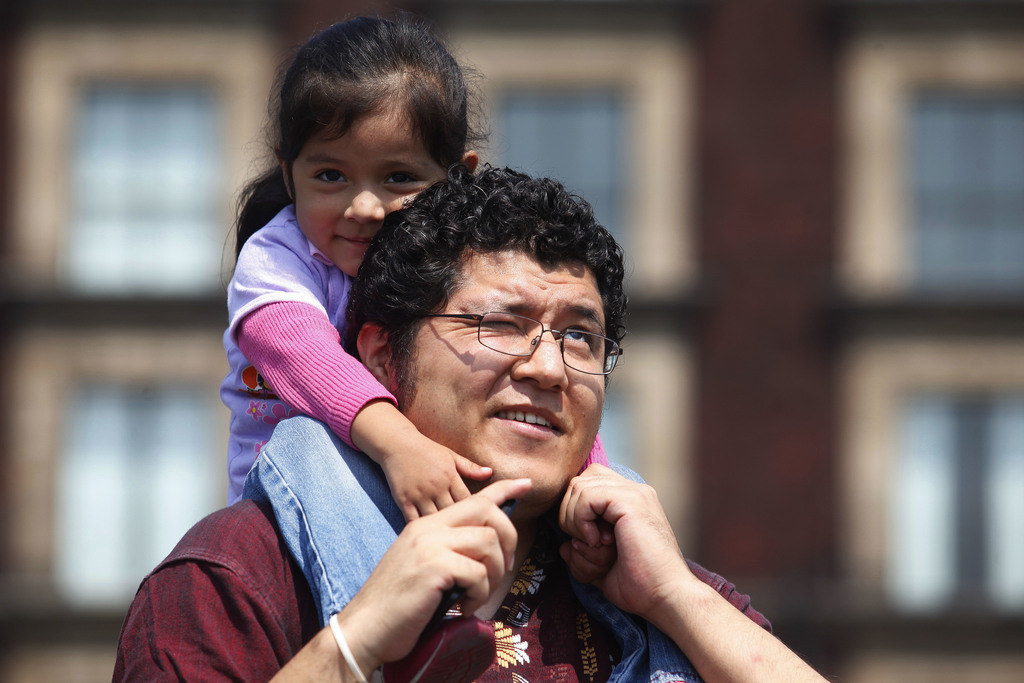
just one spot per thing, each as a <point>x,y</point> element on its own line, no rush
<point>597,455</point>
<point>298,351</point>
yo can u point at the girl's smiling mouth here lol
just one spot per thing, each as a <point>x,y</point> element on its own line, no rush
<point>356,240</point>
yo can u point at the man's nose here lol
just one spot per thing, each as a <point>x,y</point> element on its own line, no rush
<point>545,365</point>
<point>366,207</point>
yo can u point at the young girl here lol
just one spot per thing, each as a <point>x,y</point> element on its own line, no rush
<point>369,113</point>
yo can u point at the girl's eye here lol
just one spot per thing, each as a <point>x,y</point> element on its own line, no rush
<point>330,175</point>
<point>401,177</point>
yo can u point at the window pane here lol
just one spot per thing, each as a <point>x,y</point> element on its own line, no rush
<point>147,190</point>
<point>94,486</point>
<point>139,467</point>
<point>574,136</point>
<point>1006,505</point>
<point>967,172</point>
<point>921,544</point>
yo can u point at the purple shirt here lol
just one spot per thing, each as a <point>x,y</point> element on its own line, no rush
<point>276,264</point>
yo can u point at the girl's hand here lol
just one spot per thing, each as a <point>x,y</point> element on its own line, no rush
<point>424,476</point>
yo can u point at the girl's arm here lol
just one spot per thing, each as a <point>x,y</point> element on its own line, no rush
<point>597,455</point>
<point>298,351</point>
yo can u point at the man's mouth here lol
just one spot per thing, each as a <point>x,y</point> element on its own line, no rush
<point>528,418</point>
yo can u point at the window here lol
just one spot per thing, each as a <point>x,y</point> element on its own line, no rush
<point>933,472</point>
<point>934,163</point>
<point>609,113</point>
<point>137,471</point>
<point>573,135</point>
<point>91,101</point>
<point>147,191</point>
<point>967,191</point>
<point>957,512</point>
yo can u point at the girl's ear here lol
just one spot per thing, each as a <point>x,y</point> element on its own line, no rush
<point>372,344</point>
<point>286,171</point>
<point>470,160</point>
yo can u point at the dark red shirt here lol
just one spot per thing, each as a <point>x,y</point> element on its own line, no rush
<point>229,604</point>
<point>541,630</point>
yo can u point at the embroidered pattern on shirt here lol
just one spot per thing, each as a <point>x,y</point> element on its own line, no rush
<point>510,646</point>
<point>588,655</point>
<point>518,659</point>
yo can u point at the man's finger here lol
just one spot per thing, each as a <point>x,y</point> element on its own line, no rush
<point>506,489</point>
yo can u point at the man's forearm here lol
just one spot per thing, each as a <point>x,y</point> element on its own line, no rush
<point>318,661</point>
<point>723,644</point>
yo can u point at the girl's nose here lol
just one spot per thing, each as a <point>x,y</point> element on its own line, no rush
<point>366,207</point>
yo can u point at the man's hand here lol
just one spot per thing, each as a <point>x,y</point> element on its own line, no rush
<point>649,577</point>
<point>471,544</point>
<point>622,541</point>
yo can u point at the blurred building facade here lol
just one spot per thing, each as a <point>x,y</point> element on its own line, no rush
<point>822,204</point>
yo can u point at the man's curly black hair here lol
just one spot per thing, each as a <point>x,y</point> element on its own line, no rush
<point>413,265</point>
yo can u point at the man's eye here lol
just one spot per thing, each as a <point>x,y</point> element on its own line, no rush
<point>330,176</point>
<point>583,341</point>
<point>503,327</point>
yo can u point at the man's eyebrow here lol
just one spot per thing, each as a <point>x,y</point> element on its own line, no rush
<point>588,313</point>
<point>585,312</point>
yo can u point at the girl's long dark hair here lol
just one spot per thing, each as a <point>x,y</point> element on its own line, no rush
<point>347,71</point>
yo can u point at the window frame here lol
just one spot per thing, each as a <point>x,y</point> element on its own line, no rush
<point>878,376</point>
<point>880,72</point>
<point>656,74</point>
<point>52,63</point>
<point>44,362</point>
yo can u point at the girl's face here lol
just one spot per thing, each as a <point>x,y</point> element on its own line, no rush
<point>343,187</point>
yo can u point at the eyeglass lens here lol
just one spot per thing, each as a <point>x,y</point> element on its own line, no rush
<point>517,335</point>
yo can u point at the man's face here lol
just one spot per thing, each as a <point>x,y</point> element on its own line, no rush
<point>476,401</point>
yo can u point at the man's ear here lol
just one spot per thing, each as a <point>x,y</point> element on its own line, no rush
<point>286,172</point>
<point>470,160</point>
<point>372,344</point>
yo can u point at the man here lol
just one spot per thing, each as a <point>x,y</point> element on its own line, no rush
<point>492,309</point>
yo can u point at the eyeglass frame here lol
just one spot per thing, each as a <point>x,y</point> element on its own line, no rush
<point>535,343</point>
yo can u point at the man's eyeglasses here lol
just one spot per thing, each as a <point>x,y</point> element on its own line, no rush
<point>517,335</point>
